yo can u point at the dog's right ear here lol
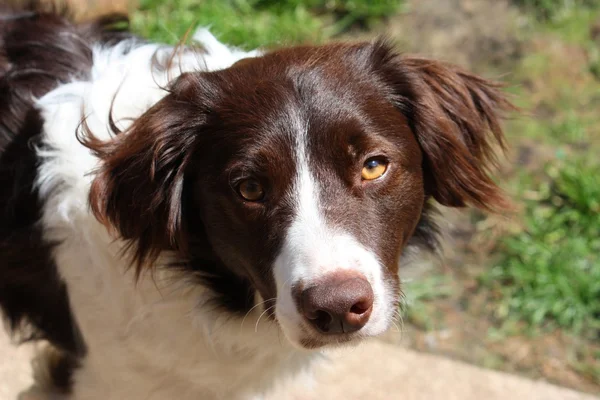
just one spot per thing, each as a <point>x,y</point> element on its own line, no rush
<point>138,188</point>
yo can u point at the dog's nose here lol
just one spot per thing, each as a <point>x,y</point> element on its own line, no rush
<point>340,303</point>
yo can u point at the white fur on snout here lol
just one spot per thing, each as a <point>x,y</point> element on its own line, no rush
<point>313,249</point>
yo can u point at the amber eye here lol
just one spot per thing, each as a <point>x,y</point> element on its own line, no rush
<point>251,190</point>
<point>374,168</point>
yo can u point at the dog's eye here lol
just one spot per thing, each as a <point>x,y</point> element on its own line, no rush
<point>251,190</point>
<point>374,168</point>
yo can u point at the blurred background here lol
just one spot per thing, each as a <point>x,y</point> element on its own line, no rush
<point>519,292</point>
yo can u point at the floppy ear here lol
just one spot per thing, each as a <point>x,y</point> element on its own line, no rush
<point>456,118</point>
<point>138,187</point>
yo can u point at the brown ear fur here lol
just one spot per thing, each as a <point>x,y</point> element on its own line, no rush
<point>456,117</point>
<point>138,188</point>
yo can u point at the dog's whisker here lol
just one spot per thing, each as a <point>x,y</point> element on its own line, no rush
<point>256,305</point>
<point>261,315</point>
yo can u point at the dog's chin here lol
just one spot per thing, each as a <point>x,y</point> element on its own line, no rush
<point>305,338</point>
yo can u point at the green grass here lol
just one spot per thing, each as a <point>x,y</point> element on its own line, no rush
<point>548,10</point>
<point>254,23</point>
<point>417,294</point>
<point>549,272</point>
<point>573,24</point>
<point>237,23</point>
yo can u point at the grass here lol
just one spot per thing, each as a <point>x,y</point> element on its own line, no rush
<point>254,23</point>
<point>417,293</point>
<point>548,10</point>
<point>549,272</point>
<point>234,22</point>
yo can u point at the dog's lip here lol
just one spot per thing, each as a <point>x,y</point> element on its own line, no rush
<point>314,343</point>
<point>312,340</point>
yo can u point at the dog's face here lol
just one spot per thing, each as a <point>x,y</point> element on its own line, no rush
<point>303,172</point>
<point>310,183</point>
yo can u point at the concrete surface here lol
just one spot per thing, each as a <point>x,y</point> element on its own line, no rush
<point>15,369</point>
<point>373,371</point>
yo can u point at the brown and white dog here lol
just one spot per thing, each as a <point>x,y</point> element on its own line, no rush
<point>263,200</point>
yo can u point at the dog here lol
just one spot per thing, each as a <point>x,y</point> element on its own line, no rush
<point>199,221</point>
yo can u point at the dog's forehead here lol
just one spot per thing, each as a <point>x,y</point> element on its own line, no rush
<point>293,91</point>
<point>273,108</point>
<point>311,72</point>
<point>270,114</point>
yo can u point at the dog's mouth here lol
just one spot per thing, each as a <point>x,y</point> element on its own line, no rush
<point>311,340</point>
<point>305,337</point>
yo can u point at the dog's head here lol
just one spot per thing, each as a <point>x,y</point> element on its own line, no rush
<point>303,174</point>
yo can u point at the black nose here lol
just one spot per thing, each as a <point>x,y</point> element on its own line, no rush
<point>341,303</point>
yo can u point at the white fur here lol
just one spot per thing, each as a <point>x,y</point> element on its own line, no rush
<point>312,249</point>
<point>153,340</point>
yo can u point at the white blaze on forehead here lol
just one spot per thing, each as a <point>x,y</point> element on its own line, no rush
<point>313,249</point>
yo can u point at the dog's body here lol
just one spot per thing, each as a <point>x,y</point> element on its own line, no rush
<point>142,326</point>
<point>192,327</point>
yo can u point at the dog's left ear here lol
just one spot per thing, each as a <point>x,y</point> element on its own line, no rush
<point>456,118</point>
<point>139,185</point>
